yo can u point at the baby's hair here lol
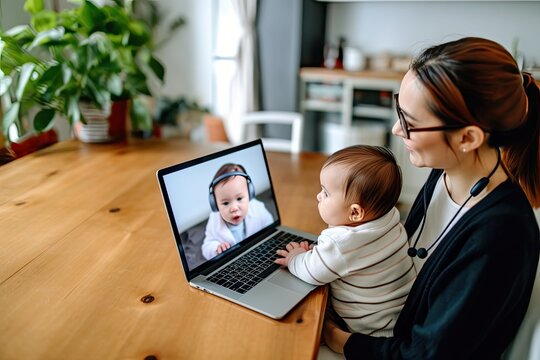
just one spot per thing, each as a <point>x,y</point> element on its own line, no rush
<point>228,168</point>
<point>373,179</point>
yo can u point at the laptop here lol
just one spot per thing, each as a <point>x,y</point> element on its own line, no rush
<point>243,273</point>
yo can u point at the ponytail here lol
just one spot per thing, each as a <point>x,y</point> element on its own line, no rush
<point>521,147</point>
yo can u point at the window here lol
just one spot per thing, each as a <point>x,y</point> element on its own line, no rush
<point>227,36</point>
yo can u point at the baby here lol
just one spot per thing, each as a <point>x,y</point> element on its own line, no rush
<point>236,214</point>
<point>363,252</point>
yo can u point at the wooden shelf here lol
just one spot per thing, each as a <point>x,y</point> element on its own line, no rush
<point>340,75</point>
<point>322,105</point>
<point>377,112</point>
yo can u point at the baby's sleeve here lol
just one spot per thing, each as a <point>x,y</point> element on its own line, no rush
<point>321,265</point>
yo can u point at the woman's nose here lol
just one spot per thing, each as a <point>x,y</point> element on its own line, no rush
<point>397,130</point>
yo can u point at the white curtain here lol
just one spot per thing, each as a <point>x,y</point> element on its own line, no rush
<point>244,85</point>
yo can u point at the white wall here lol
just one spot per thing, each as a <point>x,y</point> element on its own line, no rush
<point>408,27</point>
<point>187,56</point>
<point>12,13</point>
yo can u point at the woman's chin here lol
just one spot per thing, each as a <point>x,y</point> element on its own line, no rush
<point>415,160</point>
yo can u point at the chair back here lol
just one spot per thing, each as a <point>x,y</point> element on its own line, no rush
<point>526,344</point>
<point>253,123</point>
<point>215,129</point>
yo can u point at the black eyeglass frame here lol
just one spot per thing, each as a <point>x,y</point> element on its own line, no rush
<point>407,130</point>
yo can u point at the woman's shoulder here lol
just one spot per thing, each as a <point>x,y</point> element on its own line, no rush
<point>506,215</point>
<point>507,199</point>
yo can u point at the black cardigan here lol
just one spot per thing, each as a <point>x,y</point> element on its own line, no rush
<point>472,293</point>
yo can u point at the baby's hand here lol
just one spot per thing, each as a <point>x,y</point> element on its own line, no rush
<point>291,250</point>
<point>306,246</point>
<point>222,247</point>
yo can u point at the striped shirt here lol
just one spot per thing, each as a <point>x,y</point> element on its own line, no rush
<point>369,272</point>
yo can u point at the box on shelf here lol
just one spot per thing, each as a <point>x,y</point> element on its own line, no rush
<point>335,136</point>
<point>324,91</point>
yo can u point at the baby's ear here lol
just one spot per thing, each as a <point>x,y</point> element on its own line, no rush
<point>356,213</point>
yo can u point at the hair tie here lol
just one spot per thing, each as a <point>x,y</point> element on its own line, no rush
<point>506,137</point>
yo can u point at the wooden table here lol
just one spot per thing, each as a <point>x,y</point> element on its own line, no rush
<point>89,268</point>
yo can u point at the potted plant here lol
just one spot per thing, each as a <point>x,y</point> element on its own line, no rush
<point>179,117</point>
<point>76,63</point>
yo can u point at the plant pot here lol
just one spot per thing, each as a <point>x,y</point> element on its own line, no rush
<point>102,126</point>
<point>27,144</point>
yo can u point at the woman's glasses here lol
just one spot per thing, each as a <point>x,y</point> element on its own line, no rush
<point>407,129</point>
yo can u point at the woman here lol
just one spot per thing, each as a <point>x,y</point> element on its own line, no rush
<point>472,232</point>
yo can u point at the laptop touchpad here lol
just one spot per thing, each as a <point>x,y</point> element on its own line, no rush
<point>287,280</point>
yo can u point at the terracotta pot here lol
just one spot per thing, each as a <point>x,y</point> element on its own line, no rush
<point>32,142</point>
<point>103,126</point>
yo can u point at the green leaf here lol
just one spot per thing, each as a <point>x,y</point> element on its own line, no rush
<point>73,111</point>
<point>16,30</point>
<point>91,16</point>
<point>10,116</point>
<point>177,23</point>
<point>114,85</point>
<point>66,73</point>
<point>140,116</point>
<point>139,34</point>
<point>101,96</point>
<point>157,68</point>
<point>13,56</point>
<point>137,83</point>
<point>43,120</point>
<point>50,74</point>
<point>44,20</point>
<point>45,37</point>
<point>33,6</point>
<point>5,82</point>
<point>26,72</point>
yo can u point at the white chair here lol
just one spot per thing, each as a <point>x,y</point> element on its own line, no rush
<point>252,124</point>
<point>534,352</point>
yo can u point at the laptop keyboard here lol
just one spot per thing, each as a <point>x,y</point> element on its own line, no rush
<point>254,266</point>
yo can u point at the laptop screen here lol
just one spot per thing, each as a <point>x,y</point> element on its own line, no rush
<point>218,203</point>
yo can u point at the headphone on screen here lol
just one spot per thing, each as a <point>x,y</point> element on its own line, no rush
<point>211,196</point>
<point>476,189</point>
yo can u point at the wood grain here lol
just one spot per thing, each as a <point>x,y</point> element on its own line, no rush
<point>84,239</point>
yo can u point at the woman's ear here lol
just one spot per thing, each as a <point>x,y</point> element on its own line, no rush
<point>356,213</point>
<point>470,138</point>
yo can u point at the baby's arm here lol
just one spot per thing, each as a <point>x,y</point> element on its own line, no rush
<point>322,265</point>
<point>214,242</point>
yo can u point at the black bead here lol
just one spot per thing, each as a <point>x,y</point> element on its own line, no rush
<point>422,253</point>
<point>411,252</point>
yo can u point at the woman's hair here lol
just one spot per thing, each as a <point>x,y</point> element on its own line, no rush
<point>373,178</point>
<point>475,81</point>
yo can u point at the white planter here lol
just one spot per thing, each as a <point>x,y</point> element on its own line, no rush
<point>103,126</point>
<point>96,129</point>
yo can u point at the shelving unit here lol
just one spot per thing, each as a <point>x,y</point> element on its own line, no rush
<point>342,90</point>
<point>355,107</point>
